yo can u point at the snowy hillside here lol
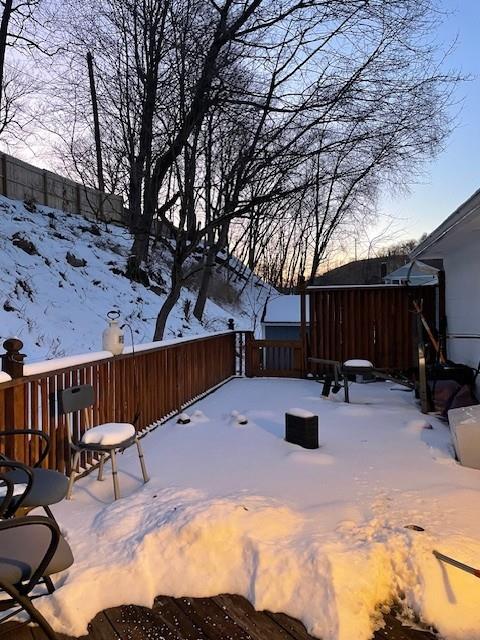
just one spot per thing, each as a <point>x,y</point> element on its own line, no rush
<point>61,274</point>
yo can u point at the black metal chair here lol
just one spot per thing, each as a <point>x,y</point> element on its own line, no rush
<point>31,551</point>
<point>104,439</point>
<point>47,487</point>
<point>11,491</point>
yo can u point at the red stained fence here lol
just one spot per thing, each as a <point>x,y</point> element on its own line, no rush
<point>274,358</point>
<point>153,384</point>
<point>376,323</point>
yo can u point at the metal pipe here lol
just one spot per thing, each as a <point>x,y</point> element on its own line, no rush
<point>456,563</point>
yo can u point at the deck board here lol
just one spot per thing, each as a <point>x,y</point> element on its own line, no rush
<point>225,617</point>
<point>256,623</point>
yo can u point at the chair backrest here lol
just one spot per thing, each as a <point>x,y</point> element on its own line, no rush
<point>76,398</point>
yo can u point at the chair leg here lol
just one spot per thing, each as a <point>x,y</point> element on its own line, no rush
<point>142,461</point>
<point>35,616</point>
<point>327,384</point>
<point>346,389</point>
<point>100,468</point>
<point>116,489</point>
<point>76,460</point>
<point>49,513</point>
<point>49,584</point>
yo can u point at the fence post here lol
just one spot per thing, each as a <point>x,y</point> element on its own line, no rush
<point>78,196</point>
<point>303,325</point>
<point>14,397</point>
<point>45,188</point>
<point>4,177</point>
<point>249,349</point>
<point>12,359</point>
<point>178,372</point>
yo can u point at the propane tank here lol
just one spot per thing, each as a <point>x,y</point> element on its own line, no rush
<point>113,338</point>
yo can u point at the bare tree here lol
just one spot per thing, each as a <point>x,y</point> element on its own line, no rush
<point>23,31</point>
<point>260,123</point>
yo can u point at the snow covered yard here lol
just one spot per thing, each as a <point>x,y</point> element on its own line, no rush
<point>61,274</point>
<point>317,534</point>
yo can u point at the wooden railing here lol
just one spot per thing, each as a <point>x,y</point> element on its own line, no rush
<point>273,358</point>
<point>146,387</point>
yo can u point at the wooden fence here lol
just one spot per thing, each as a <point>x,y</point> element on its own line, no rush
<point>153,384</point>
<point>274,358</point>
<point>376,323</point>
<point>23,181</point>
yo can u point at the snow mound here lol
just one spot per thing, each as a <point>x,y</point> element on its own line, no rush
<point>165,540</point>
<point>300,413</point>
<point>109,434</point>
<point>199,416</point>
<point>358,363</point>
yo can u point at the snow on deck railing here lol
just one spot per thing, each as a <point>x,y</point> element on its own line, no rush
<point>67,362</point>
<point>159,344</point>
<point>45,366</point>
<point>144,388</point>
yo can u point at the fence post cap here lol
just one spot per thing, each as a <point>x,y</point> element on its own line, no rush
<point>12,345</point>
<point>12,359</point>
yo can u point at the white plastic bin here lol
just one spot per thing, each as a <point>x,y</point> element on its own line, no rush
<point>465,428</point>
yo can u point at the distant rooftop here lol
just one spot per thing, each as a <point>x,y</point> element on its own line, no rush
<point>415,272</point>
<point>284,309</point>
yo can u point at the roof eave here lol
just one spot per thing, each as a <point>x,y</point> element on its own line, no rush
<point>454,219</point>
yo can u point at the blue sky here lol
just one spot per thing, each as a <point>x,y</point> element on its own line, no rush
<point>455,174</point>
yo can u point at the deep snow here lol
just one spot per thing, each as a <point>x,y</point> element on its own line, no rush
<point>58,309</point>
<point>318,534</point>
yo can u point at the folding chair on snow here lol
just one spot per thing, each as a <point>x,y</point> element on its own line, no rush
<point>105,439</point>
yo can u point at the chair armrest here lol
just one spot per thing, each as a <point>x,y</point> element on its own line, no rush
<point>32,432</point>
<point>12,464</point>
<point>6,499</point>
<point>28,521</point>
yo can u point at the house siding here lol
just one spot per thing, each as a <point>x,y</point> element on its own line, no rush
<point>462,279</point>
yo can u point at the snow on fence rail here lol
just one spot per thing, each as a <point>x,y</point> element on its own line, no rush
<point>151,384</point>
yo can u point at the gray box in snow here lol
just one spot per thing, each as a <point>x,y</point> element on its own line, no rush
<point>465,428</point>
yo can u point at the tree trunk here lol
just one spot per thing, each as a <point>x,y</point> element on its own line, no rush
<point>203,290</point>
<point>213,250</point>
<point>171,299</point>
<point>137,258</point>
<point>7,12</point>
<point>96,128</point>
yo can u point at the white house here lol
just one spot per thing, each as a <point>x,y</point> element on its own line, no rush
<point>457,242</point>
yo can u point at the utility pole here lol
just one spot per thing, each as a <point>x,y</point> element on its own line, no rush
<point>96,126</point>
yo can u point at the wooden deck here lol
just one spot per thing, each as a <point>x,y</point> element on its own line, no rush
<point>224,617</point>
